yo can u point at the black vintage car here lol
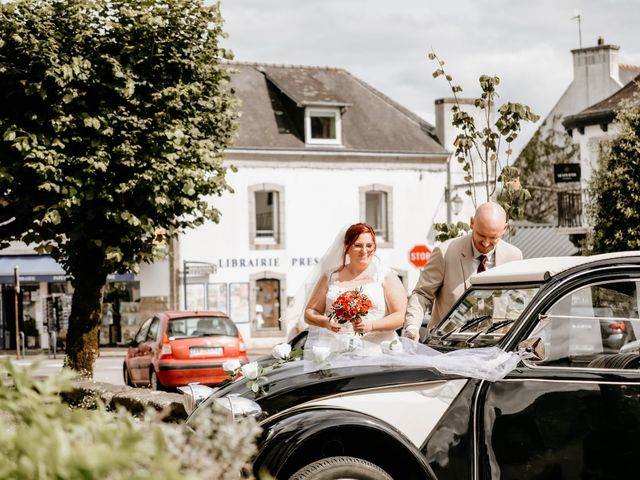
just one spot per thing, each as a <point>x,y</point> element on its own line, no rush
<point>570,410</point>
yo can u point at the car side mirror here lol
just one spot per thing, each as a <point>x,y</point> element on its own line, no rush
<point>532,349</point>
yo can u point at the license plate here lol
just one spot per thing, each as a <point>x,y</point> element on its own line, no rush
<point>199,351</point>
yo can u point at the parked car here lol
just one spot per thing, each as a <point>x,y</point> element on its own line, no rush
<point>570,409</point>
<point>177,348</point>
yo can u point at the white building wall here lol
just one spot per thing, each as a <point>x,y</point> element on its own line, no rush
<point>154,279</point>
<point>589,143</point>
<point>320,198</point>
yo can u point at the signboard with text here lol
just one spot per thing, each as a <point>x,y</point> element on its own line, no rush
<point>566,172</point>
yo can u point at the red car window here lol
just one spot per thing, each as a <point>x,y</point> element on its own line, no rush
<point>201,326</point>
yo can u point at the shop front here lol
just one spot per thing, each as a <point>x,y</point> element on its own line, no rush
<point>38,310</point>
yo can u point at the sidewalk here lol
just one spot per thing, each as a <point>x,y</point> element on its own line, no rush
<point>112,352</point>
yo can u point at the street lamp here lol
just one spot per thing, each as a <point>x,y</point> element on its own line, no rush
<point>456,204</point>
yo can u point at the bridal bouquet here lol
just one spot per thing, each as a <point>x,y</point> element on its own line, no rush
<point>350,306</point>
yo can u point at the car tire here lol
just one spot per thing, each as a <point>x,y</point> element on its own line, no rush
<point>616,361</point>
<point>125,376</point>
<point>341,467</point>
<point>154,381</point>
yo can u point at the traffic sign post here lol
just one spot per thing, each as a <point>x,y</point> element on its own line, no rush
<point>419,255</point>
<point>17,304</point>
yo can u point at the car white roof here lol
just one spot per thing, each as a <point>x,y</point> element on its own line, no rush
<point>540,269</point>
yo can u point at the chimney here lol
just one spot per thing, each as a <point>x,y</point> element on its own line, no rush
<point>595,72</point>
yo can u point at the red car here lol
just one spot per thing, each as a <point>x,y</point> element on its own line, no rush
<point>177,348</point>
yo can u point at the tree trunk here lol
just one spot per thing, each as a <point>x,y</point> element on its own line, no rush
<point>84,321</point>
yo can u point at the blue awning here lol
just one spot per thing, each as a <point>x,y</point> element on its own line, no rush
<point>31,268</point>
<point>42,268</point>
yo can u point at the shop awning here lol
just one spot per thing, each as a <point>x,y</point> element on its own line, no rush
<point>31,268</point>
<point>41,268</point>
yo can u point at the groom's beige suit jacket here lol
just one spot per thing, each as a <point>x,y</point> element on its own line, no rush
<point>445,278</point>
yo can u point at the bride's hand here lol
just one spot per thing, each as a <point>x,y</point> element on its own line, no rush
<point>361,326</point>
<point>333,325</point>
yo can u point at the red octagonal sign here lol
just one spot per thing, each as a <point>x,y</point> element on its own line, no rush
<point>419,255</point>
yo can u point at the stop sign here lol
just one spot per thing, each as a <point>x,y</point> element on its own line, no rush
<point>419,255</point>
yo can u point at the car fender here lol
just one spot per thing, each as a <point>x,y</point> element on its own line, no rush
<point>303,436</point>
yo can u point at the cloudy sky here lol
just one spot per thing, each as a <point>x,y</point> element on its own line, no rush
<point>526,43</point>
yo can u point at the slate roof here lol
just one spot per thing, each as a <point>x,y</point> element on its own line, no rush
<point>605,110</point>
<point>541,240</point>
<point>627,72</point>
<point>273,99</point>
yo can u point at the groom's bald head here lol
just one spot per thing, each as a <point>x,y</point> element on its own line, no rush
<point>487,225</point>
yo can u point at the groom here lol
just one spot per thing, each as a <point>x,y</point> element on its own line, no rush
<point>446,276</point>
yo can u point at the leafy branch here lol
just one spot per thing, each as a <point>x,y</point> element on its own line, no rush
<point>485,141</point>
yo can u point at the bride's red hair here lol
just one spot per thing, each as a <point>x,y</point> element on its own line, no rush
<point>352,234</point>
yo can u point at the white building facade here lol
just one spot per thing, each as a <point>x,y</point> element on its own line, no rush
<point>317,150</point>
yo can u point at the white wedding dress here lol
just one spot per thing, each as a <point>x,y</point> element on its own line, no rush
<point>372,287</point>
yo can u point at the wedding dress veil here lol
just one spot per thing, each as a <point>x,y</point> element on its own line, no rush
<point>331,260</point>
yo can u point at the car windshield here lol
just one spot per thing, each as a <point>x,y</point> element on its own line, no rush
<point>200,327</point>
<point>482,318</point>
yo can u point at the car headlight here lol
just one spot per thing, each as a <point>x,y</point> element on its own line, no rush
<point>238,407</point>
<point>193,395</point>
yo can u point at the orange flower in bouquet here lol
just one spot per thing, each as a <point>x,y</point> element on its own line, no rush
<point>350,306</point>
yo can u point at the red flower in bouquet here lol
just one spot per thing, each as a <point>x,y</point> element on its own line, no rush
<point>350,306</point>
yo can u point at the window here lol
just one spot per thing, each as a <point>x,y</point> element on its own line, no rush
<point>195,296</point>
<point>153,330</point>
<point>482,318</point>
<point>323,126</point>
<point>266,214</point>
<point>142,333</point>
<point>266,217</point>
<point>375,209</point>
<point>591,326</point>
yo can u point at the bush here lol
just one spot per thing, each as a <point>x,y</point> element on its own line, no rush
<point>43,438</point>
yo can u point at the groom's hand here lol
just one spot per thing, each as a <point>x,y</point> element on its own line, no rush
<point>412,332</point>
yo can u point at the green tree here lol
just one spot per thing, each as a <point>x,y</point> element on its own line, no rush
<point>549,145</point>
<point>114,117</point>
<point>490,143</point>
<point>615,187</point>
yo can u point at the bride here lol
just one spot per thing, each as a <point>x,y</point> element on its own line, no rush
<point>359,269</point>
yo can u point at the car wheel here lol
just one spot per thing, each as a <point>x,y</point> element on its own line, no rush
<point>154,382</point>
<point>333,468</point>
<point>125,376</point>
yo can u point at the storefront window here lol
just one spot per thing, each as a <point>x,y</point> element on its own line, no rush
<point>217,297</point>
<point>120,312</point>
<point>239,302</point>
<point>195,296</point>
<point>267,303</point>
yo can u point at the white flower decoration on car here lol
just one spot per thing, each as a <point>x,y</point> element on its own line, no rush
<point>231,365</point>
<point>393,347</point>
<point>281,351</point>
<point>320,354</point>
<point>250,370</point>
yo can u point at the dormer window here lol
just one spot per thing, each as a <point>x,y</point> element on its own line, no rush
<point>322,126</point>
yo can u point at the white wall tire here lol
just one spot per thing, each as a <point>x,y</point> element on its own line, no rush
<point>335,468</point>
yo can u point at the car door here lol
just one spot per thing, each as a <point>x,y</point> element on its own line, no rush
<point>134,354</point>
<point>147,350</point>
<point>576,413</point>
